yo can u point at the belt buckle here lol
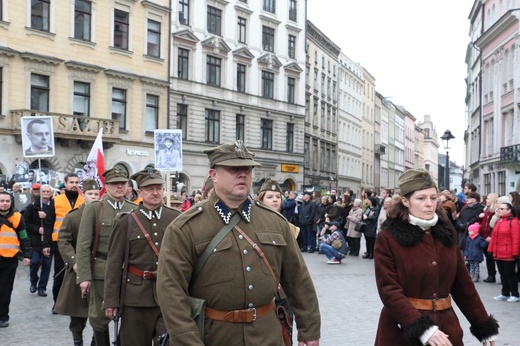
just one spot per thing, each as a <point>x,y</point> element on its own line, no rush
<point>146,273</point>
<point>254,313</point>
<point>434,307</point>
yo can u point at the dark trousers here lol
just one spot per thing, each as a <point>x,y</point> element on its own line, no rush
<point>354,244</point>
<point>139,326</point>
<point>490,264</point>
<point>39,260</point>
<point>371,242</point>
<point>309,237</point>
<point>8,267</point>
<point>77,324</point>
<point>508,278</point>
<point>58,270</point>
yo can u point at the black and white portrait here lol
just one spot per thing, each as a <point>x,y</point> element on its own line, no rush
<point>37,137</point>
<point>168,150</point>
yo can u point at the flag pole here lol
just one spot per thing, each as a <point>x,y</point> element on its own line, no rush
<point>168,189</point>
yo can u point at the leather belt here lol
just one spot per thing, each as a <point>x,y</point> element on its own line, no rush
<point>240,316</point>
<point>145,274</point>
<point>435,304</point>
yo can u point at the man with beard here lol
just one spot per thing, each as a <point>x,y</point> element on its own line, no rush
<point>13,238</point>
<point>92,247</point>
<point>141,318</point>
<point>70,301</point>
<point>58,208</point>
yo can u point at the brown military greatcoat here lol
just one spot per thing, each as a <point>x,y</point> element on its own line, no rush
<point>139,292</point>
<point>69,300</point>
<point>234,276</point>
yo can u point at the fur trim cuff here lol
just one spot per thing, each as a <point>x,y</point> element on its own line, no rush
<point>486,329</point>
<point>414,330</point>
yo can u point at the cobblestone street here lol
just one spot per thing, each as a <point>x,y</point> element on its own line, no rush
<point>348,297</point>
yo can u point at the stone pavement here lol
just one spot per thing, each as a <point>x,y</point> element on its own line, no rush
<point>349,305</point>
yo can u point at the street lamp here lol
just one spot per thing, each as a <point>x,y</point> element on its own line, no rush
<point>331,179</point>
<point>446,137</point>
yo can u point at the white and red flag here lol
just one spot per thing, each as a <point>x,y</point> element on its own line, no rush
<point>95,165</point>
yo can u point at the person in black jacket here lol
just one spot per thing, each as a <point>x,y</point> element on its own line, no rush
<point>307,219</point>
<point>468,215</point>
<point>288,206</point>
<point>370,219</point>
<point>34,216</point>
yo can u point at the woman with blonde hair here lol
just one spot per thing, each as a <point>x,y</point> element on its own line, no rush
<point>486,229</point>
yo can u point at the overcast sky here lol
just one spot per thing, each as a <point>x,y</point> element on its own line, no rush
<point>415,49</point>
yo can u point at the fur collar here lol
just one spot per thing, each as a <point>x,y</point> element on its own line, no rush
<point>409,235</point>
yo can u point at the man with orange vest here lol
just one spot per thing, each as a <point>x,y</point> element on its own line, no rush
<point>13,239</point>
<point>56,212</point>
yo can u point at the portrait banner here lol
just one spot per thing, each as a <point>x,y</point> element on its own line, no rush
<point>37,137</point>
<point>168,150</point>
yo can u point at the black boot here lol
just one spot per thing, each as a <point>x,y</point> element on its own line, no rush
<point>78,338</point>
<point>102,338</point>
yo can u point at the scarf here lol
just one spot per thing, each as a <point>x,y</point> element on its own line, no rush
<point>424,224</point>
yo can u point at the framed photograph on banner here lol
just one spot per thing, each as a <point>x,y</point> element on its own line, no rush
<point>168,150</point>
<point>37,137</point>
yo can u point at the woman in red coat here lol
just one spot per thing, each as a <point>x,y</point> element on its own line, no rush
<point>419,270</point>
<point>505,245</point>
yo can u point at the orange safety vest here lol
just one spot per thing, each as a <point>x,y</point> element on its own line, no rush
<point>62,208</point>
<point>9,243</point>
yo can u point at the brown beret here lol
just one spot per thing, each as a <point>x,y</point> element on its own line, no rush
<point>115,175</point>
<point>415,179</point>
<point>89,184</point>
<point>231,155</point>
<point>270,185</point>
<point>148,176</point>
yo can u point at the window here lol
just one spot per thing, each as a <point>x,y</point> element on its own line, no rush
<point>183,63</point>
<point>213,71</point>
<point>81,99</point>
<point>40,92</point>
<point>154,39</point>
<point>212,126</point>
<point>270,6</point>
<point>119,106</point>
<point>244,1</point>
<point>241,78</point>
<point>182,119</point>
<point>241,32</point>
<point>82,18</point>
<point>293,14</point>
<point>152,113</point>
<point>40,14</point>
<point>291,86</point>
<point>268,38</point>
<point>184,12</point>
<point>290,138</point>
<point>292,46</point>
<point>121,26</point>
<point>241,127</point>
<point>267,134</point>
<point>267,84</point>
<point>214,20</point>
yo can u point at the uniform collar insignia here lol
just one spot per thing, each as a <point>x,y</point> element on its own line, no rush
<point>116,205</point>
<point>225,214</point>
<point>151,214</point>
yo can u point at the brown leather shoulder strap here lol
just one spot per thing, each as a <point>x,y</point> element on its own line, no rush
<point>98,232</point>
<point>261,254</point>
<point>146,235</point>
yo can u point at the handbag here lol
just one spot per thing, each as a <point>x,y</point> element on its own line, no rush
<point>336,244</point>
<point>360,227</point>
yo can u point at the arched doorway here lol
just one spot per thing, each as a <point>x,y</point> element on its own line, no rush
<point>288,185</point>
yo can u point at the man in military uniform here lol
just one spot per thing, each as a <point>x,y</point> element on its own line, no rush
<point>70,301</point>
<point>142,320</point>
<point>236,284</point>
<point>58,208</point>
<point>92,247</point>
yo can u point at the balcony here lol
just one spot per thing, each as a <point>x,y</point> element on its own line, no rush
<point>379,149</point>
<point>510,154</point>
<point>70,128</point>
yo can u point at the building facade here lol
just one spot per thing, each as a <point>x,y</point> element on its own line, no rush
<point>88,66</point>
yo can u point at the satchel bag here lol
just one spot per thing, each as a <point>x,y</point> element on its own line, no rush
<point>336,244</point>
<point>360,227</point>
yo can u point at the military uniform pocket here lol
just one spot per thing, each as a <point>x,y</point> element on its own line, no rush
<point>221,266</point>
